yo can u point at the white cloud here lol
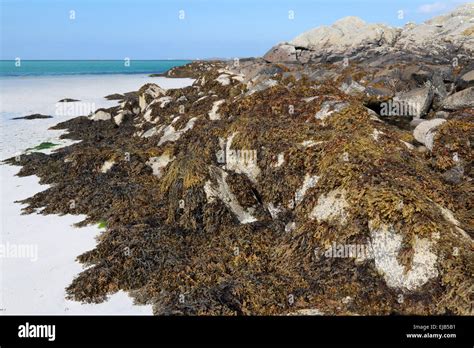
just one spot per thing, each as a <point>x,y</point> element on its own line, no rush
<point>434,7</point>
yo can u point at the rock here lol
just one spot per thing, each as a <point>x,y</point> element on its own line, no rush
<point>157,164</point>
<point>32,117</point>
<point>297,75</point>
<point>260,84</point>
<point>67,100</point>
<point>107,166</point>
<point>224,79</point>
<point>454,175</point>
<point>439,89</point>
<point>442,34</point>
<point>171,134</point>
<point>386,244</point>
<point>460,100</point>
<point>442,39</point>
<point>330,107</point>
<point>309,182</point>
<point>213,114</point>
<point>148,93</point>
<point>241,161</point>
<point>118,119</point>
<point>425,131</point>
<point>151,132</point>
<point>408,145</point>
<point>100,115</point>
<point>416,121</point>
<point>164,101</point>
<point>219,189</point>
<point>416,102</point>
<point>352,88</point>
<point>192,190</point>
<point>331,207</point>
<point>379,92</point>
<point>281,53</point>
<point>115,96</point>
<point>321,75</point>
<point>442,114</point>
<point>345,35</point>
<point>465,81</point>
<point>251,68</point>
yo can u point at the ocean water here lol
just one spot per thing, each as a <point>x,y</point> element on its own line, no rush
<point>85,67</point>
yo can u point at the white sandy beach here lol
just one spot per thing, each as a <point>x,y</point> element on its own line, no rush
<point>36,282</point>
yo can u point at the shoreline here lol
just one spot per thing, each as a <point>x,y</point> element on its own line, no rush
<point>39,287</point>
<point>223,197</point>
<point>25,96</point>
<point>194,220</point>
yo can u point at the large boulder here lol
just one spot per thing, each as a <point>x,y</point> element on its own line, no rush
<point>416,101</point>
<point>345,35</point>
<point>460,100</point>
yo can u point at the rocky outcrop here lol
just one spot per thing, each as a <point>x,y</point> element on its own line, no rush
<point>449,36</point>
<point>441,35</point>
<point>345,37</point>
<point>269,180</point>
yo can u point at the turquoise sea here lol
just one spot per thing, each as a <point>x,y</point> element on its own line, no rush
<point>85,67</point>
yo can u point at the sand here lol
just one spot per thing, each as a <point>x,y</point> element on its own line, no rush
<point>34,281</point>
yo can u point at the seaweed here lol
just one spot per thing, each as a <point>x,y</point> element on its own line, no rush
<point>43,146</point>
<point>205,229</point>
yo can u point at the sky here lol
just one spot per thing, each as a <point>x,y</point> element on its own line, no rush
<point>182,29</point>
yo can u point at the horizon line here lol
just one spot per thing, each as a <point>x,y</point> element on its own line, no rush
<point>122,59</point>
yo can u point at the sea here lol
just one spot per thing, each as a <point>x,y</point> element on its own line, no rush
<point>36,86</point>
<point>85,67</point>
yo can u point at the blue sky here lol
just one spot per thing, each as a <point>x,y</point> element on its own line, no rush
<point>147,29</point>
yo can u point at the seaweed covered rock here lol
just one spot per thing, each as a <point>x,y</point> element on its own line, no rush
<point>267,189</point>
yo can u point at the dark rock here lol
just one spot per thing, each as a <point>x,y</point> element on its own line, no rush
<point>67,100</point>
<point>32,117</point>
<point>115,96</point>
